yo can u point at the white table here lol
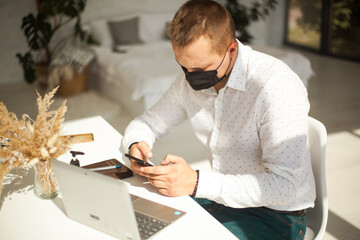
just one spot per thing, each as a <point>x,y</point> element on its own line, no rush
<point>24,216</point>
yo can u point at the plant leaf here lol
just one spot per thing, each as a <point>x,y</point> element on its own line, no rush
<point>73,8</point>
<point>27,64</point>
<point>38,32</point>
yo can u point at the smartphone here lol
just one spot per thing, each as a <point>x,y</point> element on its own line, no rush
<point>139,161</point>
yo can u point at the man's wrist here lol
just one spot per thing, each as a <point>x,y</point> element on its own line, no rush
<point>132,145</point>
<point>196,184</point>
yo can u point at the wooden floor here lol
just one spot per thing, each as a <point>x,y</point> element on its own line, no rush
<point>334,94</point>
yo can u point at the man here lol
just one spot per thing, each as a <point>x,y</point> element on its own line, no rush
<point>250,111</point>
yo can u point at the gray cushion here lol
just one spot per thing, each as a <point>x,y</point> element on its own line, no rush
<point>125,31</point>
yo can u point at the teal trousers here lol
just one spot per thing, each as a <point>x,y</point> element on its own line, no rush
<point>256,223</point>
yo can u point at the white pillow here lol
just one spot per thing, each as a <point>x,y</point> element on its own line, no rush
<point>101,33</point>
<point>153,26</point>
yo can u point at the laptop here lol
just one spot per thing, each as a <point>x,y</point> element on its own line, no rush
<point>104,203</point>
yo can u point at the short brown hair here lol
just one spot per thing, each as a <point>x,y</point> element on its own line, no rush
<point>197,18</point>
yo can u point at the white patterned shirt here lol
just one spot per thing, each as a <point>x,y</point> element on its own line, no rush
<point>255,130</point>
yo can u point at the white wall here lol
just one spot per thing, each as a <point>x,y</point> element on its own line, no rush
<point>271,30</point>
<point>111,8</point>
<point>12,40</point>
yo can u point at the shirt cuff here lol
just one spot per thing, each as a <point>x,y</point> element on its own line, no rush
<point>128,141</point>
<point>209,185</point>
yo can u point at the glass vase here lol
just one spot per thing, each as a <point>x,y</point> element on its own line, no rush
<point>45,184</point>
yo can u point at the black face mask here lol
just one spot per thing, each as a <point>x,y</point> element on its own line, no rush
<point>204,79</point>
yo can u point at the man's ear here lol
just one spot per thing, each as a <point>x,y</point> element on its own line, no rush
<point>233,49</point>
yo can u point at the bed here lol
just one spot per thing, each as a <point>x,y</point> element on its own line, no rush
<point>135,64</point>
<point>136,75</point>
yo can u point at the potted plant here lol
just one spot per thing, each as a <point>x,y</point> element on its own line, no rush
<point>42,35</point>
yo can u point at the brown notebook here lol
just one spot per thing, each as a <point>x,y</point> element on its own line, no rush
<point>120,173</point>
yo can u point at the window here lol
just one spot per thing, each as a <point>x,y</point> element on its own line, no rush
<point>329,27</point>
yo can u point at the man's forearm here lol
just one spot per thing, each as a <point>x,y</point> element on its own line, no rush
<point>138,131</point>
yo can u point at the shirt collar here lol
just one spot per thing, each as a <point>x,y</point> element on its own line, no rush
<point>209,91</point>
<point>237,78</point>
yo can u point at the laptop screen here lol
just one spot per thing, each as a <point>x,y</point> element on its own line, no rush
<point>96,200</point>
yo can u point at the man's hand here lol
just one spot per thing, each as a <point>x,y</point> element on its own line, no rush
<point>174,178</point>
<point>139,150</point>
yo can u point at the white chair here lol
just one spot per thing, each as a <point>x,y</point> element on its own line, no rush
<point>317,217</point>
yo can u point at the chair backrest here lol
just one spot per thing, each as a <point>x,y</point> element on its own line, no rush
<point>317,216</point>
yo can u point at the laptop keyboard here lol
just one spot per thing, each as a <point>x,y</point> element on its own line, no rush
<point>148,226</point>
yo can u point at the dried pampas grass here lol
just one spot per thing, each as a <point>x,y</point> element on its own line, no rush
<point>25,142</point>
